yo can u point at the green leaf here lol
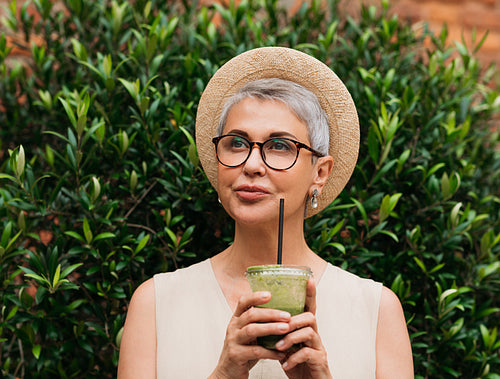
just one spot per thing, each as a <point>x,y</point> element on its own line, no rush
<point>12,313</point>
<point>79,49</point>
<point>420,264</point>
<point>445,186</point>
<point>131,87</point>
<point>70,269</point>
<point>133,181</point>
<point>57,275</point>
<point>80,125</point>
<point>142,243</point>
<point>104,235</point>
<point>96,189</point>
<point>373,145</point>
<point>6,234</point>
<point>69,112</point>
<point>86,231</point>
<point>38,278</point>
<point>36,350</point>
<point>338,246</point>
<point>446,294</point>
<point>333,231</point>
<point>390,234</point>
<point>75,304</point>
<point>75,235</point>
<point>9,177</point>
<point>57,134</point>
<point>387,206</point>
<point>172,236</point>
<point>437,268</point>
<point>361,210</point>
<point>193,155</point>
<point>490,269</point>
<point>20,162</point>
<point>434,169</point>
<point>107,64</point>
<point>454,219</point>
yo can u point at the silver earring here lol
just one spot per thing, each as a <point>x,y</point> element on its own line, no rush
<point>218,199</point>
<point>314,198</point>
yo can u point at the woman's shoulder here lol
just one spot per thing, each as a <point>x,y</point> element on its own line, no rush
<point>190,271</point>
<point>341,287</point>
<point>338,275</point>
<point>184,280</point>
<point>143,295</point>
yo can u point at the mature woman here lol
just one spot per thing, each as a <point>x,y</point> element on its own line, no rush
<point>272,123</point>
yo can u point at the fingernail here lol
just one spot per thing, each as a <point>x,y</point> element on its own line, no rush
<point>280,344</point>
<point>283,327</point>
<point>285,365</point>
<point>265,295</point>
<point>285,315</point>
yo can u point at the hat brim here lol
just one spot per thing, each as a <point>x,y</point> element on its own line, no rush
<point>298,67</point>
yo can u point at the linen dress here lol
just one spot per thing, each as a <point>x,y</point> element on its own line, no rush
<point>192,315</point>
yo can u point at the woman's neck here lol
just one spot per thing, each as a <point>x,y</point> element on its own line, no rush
<point>259,245</point>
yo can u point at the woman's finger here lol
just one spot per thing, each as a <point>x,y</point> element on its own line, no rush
<point>256,314</point>
<point>250,321</point>
<point>251,332</point>
<point>303,337</point>
<point>315,360</point>
<point>303,320</point>
<point>250,300</point>
<point>310,297</point>
<point>259,322</point>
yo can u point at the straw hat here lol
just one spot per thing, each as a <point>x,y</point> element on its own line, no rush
<point>295,66</point>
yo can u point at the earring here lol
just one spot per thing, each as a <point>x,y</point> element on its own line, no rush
<point>218,199</point>
<point>314,198</point>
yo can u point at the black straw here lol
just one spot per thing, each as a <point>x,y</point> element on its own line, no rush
<point>280,231</point>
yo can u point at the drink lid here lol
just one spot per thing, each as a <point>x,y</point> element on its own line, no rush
<point>279,270</point>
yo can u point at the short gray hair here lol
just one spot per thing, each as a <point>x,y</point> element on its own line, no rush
<point>302,102</point>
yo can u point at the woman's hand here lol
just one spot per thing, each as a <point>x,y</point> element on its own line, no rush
<point>310,360</point>
<point>241,352</point>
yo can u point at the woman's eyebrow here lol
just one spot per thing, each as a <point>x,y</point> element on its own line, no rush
<point>272,135</point>
<point>238,132</point>
<point>282,134</point>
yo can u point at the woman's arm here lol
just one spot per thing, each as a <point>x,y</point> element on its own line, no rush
<point>393,349</point>
<point>138,345</point>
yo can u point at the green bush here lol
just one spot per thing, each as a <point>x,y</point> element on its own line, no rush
<point>100,185</point>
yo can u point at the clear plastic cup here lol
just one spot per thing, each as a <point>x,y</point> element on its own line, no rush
<point>287,285</point>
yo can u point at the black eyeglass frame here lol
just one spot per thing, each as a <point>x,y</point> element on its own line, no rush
<point>252,144</point>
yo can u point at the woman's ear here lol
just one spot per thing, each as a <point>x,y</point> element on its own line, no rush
<point>322,170</point>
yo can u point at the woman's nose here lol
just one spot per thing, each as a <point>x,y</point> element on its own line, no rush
<point>255,164</point>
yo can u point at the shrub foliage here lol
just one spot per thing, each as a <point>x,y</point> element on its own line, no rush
<point>100,184</point>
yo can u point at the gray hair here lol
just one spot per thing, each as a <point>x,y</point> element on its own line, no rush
<point>302,102</point>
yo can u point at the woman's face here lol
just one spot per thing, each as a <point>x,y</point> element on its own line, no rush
<point>250,193</point>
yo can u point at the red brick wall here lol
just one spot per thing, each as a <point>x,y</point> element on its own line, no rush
<point>461,16</point>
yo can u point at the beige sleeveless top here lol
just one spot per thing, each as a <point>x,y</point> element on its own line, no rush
<point>192,315</point>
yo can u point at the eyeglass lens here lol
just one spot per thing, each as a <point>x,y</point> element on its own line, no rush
<point>277,153</point>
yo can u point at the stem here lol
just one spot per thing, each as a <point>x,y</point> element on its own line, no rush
<point>140,199</point>
<point>21,362</point>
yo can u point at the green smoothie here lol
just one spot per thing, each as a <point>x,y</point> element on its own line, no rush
<point>287,284</point>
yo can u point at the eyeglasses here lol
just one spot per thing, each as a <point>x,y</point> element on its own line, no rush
<point>278,153</point>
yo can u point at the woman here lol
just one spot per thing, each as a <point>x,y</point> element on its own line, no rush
<point>272,123</point>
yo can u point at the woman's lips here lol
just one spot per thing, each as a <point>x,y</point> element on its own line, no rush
<point>251,193</point>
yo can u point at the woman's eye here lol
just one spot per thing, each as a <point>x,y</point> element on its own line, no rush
<point>238,143</point>
<point>279,145</point>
